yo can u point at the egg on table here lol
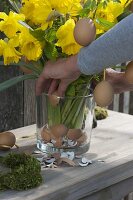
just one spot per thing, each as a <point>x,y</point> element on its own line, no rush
<point>84,31</point>
<point>7,140</point>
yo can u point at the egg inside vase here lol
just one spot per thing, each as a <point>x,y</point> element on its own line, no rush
<point>65,126</point>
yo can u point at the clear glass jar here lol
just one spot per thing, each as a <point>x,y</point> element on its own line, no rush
<point>64,123</point>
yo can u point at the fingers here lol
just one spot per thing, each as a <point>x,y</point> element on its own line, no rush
<point>40,83</point>
<point>53,86</point>
<point>62,87</point>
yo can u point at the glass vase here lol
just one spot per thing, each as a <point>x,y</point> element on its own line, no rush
<point>64,123</point>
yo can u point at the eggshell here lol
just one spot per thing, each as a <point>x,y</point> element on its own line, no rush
<point>7,139</point>
<point>58,143</point>
<point>129,72</point>
<point>82,139</point>
<point>84,31</point>
<point>103,93</point>
<point>59,130</point>
<point>45,134</point>
<point>54,99</point>
<point>74,134</point>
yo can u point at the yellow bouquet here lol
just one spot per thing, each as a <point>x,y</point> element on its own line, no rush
<point>39,30</point>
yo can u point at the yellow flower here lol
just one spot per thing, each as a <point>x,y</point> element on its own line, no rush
<point>114,9</point>
<point>2,44</point>
<point>30,46</point>
<point>9,52</point>
<point>66,39</point>
<point>37,12</point>
<point>109,13</point>
<point>125,2</point>
<point>71,7</point>
<point>9,23</point>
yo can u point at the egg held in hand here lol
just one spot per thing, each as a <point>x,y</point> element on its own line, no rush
<point>129,72</point>
<point>84,31</point>
<point>103,93</point>
<point>54,99</point>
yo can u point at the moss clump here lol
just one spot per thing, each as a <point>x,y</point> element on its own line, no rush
<point>24,172</point>
<point>100,113</point>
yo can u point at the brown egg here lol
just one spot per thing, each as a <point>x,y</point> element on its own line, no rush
<point>58,143</point>
<point>82,139</point>
<point>46,135</point>
<point>59,130</point>
<point>7,139</point>
<point>74,134</point>
<point>129,72</point>
<point>84,31</point>
<point>103,93</point>
<point>54,99</point>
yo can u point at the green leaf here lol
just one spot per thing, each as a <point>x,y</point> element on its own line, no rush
<point>36,67</point>
<point>84,12</point>
<point>123,15</point>
<point>70,90</point>
<point>15,80</point>
<point>15,5</point>
<point>38,34</point>
<point>50,35</point>
<point>51,51</point>
<point>105,23</point>
<point>25,25</point>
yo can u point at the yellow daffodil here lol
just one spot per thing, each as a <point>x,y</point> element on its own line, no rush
<point>30,46</point>
<point>66,39</point>
<point>109,13</point>
<point>114,9</point>
<point>125,3</point>
<point>9,23</point>
<point>71,7</point>
<point>9,52</point>
<point>2,44</point>
<point>37,12</point>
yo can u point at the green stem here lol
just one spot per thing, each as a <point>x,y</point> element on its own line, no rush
<point>15,80</point>
<point>54,115</point>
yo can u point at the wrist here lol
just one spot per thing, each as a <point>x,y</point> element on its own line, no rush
<point>71,64</point>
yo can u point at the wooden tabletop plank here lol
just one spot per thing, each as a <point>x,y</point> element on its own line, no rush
<point>112,142</point>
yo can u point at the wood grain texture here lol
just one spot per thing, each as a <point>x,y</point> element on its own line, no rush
<point>114,192</point>
<point>11,101</point>
<point>29,102</point>
<point>112,142</point>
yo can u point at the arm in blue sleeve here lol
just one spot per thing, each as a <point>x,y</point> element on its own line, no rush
<point>112,48</point>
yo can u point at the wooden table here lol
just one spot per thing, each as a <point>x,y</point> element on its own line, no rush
<point>112,142</point>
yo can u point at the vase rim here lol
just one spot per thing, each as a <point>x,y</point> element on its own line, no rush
<point>70,97</point>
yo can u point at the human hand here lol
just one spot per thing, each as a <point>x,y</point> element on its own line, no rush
<point>56,76</point>
<point>118,81</point>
